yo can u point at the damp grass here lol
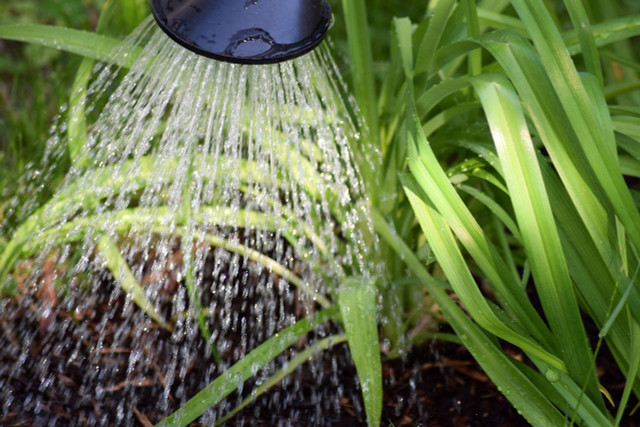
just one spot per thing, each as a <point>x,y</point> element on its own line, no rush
<point>302,357</point>
<point>509,137</point>
<point>511,189</point>
<point>127,281</point>
<point>233,377</point>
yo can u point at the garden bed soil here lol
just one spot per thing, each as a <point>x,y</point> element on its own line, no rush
<point>437,385</point>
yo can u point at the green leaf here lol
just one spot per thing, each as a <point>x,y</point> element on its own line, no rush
<point>289,368</point>
<point>537,225</point>
<point>475,57</point>
<point>634,367</point>
<point>90,45</point>
<point>434,181</point>
<point>523,67</point>
<point>619,306</point>
<point>355,15</point>
<point>606,33</point>
<point>446,250</point>
<point>244,369</point>
<point>357,300</point>
<point>77,120</point>
<point>594,137</point>
<point>497,210</point>
<point>431,40</point>
<point>127,281</point>
<point>500,21</point>
<point>585,36</point>
<point>517,387</point>
<point>404,30</point>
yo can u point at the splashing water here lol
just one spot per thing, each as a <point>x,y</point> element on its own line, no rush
<point>211,206</point>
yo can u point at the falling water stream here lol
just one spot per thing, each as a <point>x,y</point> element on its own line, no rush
<point>211,206</point>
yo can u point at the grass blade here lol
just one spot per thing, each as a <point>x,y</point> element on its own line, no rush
<point>526,397</point>
<point>634,367</point>
<point>585,35</point>
<point>231,379</point>
<point>404,32</point>
<point>537,225</point>
<point>87,44</point>
<point>434,181</point>
<point>594,137</point>
<point>127,281</point>
<point>619,306</point>
<point>77,122</point>
<point>429,43</point>
<point>444,246</point>
<point>355,15</point>
<point>606,33</point>
<point>357,300</point>
<point>291,366</point>
<point>523,67</point>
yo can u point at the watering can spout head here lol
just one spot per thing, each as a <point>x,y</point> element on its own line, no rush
<point>245,31</point>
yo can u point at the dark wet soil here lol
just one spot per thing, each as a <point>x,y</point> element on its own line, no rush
<point>437,384</point>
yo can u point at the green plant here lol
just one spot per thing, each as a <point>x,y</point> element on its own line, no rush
<point>502,212</point>
<point>509,151</point>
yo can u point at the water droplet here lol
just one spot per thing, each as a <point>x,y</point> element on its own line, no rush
<point>552,375</point>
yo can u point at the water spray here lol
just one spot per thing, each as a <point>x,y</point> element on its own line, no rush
<point>245,31</point>
<point>213,207</point>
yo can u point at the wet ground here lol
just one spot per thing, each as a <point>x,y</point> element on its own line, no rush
<point>436,385</point>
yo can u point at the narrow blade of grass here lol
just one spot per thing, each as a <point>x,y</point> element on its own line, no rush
<point>619,306</point>
<point>90,45</point>
<point>517,387</point>
<point>585,35</point>
<point>429,43</point>
<point>404,32</point>
<point>523,67</point>
<point>475,57</point>
<point>594,137</point>
<point>233,377</point>
<point>289,368</point>
<point>355,15</point>
<point>357,300</point>
<point>634,367</point>
<point>77,121</point>
<point>605,33</point>
<point>127,281</point>
<point>500,21</point>
<point>435,182</point>
<point>574,401</point>
<point>450,258</point>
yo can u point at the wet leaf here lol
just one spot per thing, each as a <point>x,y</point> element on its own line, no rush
<point>125,278</point>
<point>357,301</point>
